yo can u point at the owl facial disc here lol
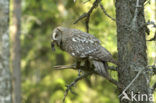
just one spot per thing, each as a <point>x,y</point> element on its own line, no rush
<point>54,36</point>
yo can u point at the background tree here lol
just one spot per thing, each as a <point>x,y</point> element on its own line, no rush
<point>15,49</point>
<point>5,77</point>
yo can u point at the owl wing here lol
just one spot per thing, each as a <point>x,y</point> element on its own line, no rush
<point>84,45</point>
<point>81,45</point>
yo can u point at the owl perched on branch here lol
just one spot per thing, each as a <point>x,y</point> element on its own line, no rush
<point>82,46</point>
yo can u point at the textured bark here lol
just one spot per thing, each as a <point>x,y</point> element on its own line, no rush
<point>132,55</point>
<point>15,50</point>
<point>5,80</point>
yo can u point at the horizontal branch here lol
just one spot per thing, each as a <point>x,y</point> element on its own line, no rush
<point>108,77</point>
<point>62,67</point>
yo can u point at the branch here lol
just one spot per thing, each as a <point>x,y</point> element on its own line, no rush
<point>154,38</point>
<point>81,17</point>
<point>153,67</point>
<point>127,87</point>
<point>151,23</point>
<point>105,12</point>
<point>108,77</point>
<point>87,15</point>
<point>148,23</point>
<point>62,67</point>
<point>74,82</point>
<point>147,2</point>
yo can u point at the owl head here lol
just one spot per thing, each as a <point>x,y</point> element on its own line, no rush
<point>57,36</point>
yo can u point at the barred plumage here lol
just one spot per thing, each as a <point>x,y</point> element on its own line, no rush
<point>82,45</point>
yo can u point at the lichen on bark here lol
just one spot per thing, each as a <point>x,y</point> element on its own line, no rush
<point>5,81</point>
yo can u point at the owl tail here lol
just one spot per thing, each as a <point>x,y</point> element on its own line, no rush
<point>101,67</point>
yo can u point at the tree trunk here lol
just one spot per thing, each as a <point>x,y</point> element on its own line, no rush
<point>132,55</point>
<point>5,80</point>
<point>15,50</point>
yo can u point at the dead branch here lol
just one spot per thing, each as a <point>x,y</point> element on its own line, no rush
<point>87,15</point>
<point>105,12</point>
<point>61,67</point>
<point>73,66</point>
<point>83,68</point>
<point>147,2</point>
<point>74,82</point>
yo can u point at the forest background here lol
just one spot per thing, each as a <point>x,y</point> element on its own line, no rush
<point>40,82</point>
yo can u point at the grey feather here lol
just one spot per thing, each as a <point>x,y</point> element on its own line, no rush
<point>100,67</point>
<point>83,45</point>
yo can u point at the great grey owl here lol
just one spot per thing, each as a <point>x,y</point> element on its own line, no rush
<point>81,46</point>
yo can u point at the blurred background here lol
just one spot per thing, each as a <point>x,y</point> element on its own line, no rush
<point>40,82</point>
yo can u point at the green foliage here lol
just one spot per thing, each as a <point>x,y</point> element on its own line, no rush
<point>42,84</point>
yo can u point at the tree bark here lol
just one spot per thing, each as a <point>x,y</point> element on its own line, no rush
<point>15,50</point>
<point>132,55</point>
<point>5,78</point>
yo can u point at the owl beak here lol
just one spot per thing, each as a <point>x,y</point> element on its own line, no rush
<point>53,45</point>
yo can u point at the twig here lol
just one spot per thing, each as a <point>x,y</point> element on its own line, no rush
<point>108,77</point>
<point>149,23</point>
<point>153,67</point>
<point>62,67</point>
<point>127,87</point>
<point>81,17</point>
<point>105,12</point>
<point>147,2</point>
<point>87,15</point>
<point>146,28</point>
<point>74,82</point>
<point>154,38</point>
